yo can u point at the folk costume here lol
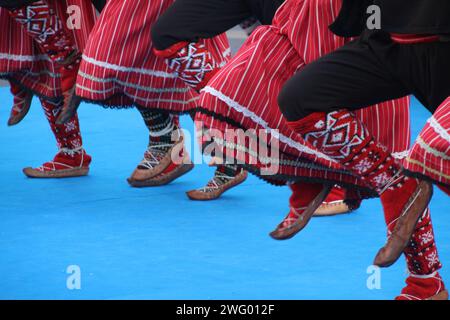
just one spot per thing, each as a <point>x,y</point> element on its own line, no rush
<point>38,56</point>
<point>120,70</point>
<point>182,26</point>
<point>243,95</point>
<point>406,54</point>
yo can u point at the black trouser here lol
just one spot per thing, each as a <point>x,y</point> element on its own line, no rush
<point>14,4</point>
<point>367,71</point>
<point>191,20</point>
<point>99,4</point>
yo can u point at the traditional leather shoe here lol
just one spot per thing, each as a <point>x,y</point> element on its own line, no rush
<point>288,230</point>
<point>154,163</point>
<point>69,75</point>
<point>20,109</point>
<point>172,172</point>
<point>64,165</point>
<point>164,178</point>
<point>334,204</point>
<point>70,107</point>
<point>213,190</point>
<point>418,199</point>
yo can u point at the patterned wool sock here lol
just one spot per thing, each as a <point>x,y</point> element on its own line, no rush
<point>191,61</point>
<point>40,21</point>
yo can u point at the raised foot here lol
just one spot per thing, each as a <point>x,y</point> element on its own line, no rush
<point>287,231</point>
<point>214,191</point>
<point>405,226</point>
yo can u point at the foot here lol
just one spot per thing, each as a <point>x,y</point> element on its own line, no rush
<point>407,198</point>
<point>157,158</point>
<point>218,185</point>
<point>334,204</point>
<point>22,104</point>
<point>172,172</point>
<point>424,288</point>
<point>298,217</point>
<point>66,164</point>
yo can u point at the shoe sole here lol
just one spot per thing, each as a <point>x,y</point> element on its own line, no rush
<point>65,173</point>
<point>443,295</point>
<point>143,175</point>
<point>164,179</point>
<point>332,209</point>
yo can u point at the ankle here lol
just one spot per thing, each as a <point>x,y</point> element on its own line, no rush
<point>395,196</point>
<point>71,152</point>
<point>303,193</point>
<point>229,170</point>
<point>421,287</point>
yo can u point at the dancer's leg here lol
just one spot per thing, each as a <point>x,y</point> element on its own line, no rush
<point>165,158</point>
<point>344,138</point>
<point>71,160</point>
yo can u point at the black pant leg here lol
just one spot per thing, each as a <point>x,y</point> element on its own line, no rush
<point>99,4</point>
<point>264,10</point>
<point>14,4</point>
<point>429,75</point>
<point>191,20</point>
<point>350,78</point>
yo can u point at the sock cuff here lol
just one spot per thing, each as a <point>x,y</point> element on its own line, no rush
<point>164,131</point>
<point>424,276</point>
<point>303,126</point>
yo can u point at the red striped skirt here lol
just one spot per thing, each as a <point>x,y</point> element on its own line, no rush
<point>119,68</point>
<point>243,95</point>
<point>430,155</point>
<point>22,62</point>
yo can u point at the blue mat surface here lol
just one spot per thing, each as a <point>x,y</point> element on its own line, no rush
<point>156,244</point>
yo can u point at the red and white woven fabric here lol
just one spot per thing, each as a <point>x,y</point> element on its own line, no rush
<point>430,154</point>
<point>119,68</point>
<point>244,95</point>
<point>21,60</point>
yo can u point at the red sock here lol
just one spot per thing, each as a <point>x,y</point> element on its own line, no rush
<point>343,137</point>
<point>68,135</point>
<point>423,288</point>
<point>422,255</point>
<point>302,195</point>
<point>192,61</point>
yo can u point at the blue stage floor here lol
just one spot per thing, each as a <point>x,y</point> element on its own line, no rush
<point>156,244</point>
